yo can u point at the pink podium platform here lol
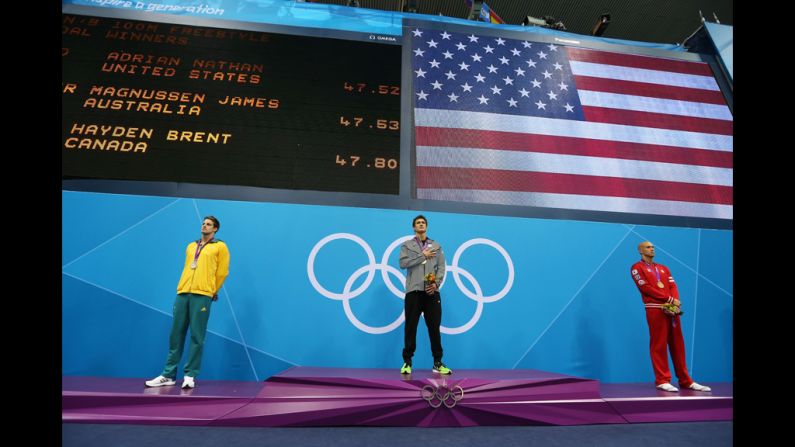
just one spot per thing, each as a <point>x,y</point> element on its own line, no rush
<point>309,396</point>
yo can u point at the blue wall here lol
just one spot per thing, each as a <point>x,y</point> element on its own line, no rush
<point>571,308</point>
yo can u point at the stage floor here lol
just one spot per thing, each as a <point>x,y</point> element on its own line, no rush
<point>311,396</point>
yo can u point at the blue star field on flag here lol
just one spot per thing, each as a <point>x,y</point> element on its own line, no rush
<point>457,71</point>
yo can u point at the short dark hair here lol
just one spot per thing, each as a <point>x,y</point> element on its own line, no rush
<point>215,221</point>
<point>419,217</point>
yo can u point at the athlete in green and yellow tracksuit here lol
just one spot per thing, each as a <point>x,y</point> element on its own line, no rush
<point>206,267</point>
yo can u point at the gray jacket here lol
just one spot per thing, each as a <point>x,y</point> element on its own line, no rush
<point>411,258</point>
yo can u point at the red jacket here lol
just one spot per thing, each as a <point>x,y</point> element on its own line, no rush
<point>645,278</point>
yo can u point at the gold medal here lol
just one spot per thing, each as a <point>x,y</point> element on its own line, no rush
<point>660,284</point>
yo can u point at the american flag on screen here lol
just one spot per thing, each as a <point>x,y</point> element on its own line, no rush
<point>525,123</point>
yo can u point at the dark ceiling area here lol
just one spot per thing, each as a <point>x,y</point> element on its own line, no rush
<point>659,21</point>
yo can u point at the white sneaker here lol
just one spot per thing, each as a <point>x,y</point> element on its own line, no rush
<point>160,381</point>
<point>697,387</point>
<point>188,382</point>
<point>667,387</point>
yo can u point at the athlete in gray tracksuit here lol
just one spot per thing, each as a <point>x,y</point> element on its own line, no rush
<point>421,256</point>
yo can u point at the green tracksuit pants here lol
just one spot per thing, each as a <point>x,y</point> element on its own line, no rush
<point>190,311</point>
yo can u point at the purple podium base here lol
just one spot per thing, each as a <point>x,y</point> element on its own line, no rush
<point>309,397</point>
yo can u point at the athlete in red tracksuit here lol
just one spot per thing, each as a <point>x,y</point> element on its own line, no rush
<point>657,287</point>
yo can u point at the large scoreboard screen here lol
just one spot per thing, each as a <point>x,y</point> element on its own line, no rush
<point>176,103</point>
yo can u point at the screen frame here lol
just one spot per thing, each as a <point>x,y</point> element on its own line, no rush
<point>404,199</point>
<point>538,212</point>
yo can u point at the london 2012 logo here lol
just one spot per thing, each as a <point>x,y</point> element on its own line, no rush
<point>372,266</point>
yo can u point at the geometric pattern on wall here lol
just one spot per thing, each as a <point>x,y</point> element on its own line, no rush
<point>573,308</point>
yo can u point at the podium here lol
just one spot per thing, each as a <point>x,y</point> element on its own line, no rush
<point>313,396</point>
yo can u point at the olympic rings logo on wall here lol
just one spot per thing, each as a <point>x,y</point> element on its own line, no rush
<point>438,395</point>
<point>455,270</point>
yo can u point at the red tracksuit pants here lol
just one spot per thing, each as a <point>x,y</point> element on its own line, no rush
<point>663,336</point>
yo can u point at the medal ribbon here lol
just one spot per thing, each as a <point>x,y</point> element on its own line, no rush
<point>421,244</point>
<point>200,247</point>
<point>655,270</point>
